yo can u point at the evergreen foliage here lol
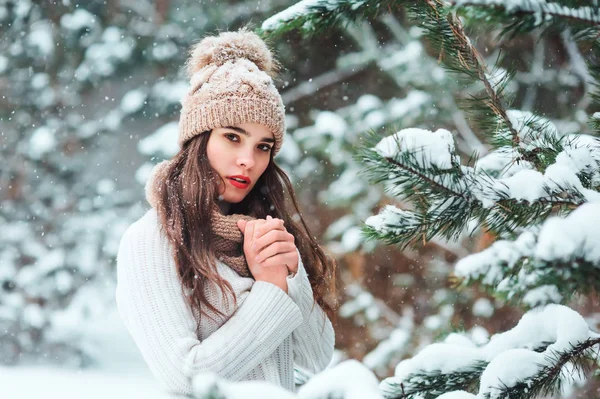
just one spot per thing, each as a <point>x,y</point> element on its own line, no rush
<point>537,190</point>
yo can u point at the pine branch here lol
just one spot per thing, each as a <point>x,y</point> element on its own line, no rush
<point>532,282</point>
<point>430,385</point>
<point>406,228</point>
<point>483,115</point>
<point>527,15</point>
<point>428,177</point>
<point>593,63</point>
<point>579,17</point>
<point>310,17</point>
<point>548,381</point>
<point>535,269</point>
<point>548,358</point>
<point>445,198</point>
<point>446,33</point>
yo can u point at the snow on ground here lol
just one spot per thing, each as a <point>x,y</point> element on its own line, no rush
<point>120,372</point>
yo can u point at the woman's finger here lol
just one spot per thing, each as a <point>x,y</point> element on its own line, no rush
<point>241,224</point>
<point>271,237</point>
<point>258,226</point>
<point>271,224</point>
<point>249,234</point>
<point>279,260</point>
<point>279,247</point>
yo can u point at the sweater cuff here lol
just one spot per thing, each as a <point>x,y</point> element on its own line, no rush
<point>300,290</point>
<point>267,302</point>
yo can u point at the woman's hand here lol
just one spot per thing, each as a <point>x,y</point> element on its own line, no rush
<point>275,274</point>
<point>275,245</point>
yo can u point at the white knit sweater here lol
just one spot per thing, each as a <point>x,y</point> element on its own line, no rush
<point>263,337</point>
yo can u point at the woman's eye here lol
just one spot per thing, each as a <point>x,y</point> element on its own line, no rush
<point>265,147</point>
<point>232,137</point>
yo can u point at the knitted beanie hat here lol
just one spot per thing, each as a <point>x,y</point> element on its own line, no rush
<point>231,83</point>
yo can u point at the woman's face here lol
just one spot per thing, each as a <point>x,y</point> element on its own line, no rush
<point>240,154</point>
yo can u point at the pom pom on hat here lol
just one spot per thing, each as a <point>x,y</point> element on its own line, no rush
<point>229,46</point>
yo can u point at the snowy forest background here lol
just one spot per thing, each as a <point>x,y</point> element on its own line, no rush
<point>481,205</point>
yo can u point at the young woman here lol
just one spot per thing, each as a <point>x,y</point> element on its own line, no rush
<point>219,275</point>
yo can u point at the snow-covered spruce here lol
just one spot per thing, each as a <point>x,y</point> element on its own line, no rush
<point>541,11</point>
<point>543,265</point>
<point>331,140</point>
<point>508,205</point>
<point>422,167</point>
<point>532,357</point>
<point>298,10</point>
<point>311,13</point>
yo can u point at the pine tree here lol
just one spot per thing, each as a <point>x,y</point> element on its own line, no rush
<point>319,156</point>
<point>536,191</point>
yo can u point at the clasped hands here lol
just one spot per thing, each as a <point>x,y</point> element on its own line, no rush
<point>269,249</point>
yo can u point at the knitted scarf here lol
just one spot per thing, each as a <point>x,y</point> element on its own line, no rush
<point>226,237</point>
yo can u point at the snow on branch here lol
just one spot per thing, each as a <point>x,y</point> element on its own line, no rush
<point>541,10</point>
<point>445,32</point>
<point>422,167</point>
<point>434,148</point>
<point>333,137</point>
<point>310,16</point>
<point>532,357</point>
<point>542,265</point>
<point>301,9</point>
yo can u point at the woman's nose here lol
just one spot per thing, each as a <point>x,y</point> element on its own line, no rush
<point>245,159</point>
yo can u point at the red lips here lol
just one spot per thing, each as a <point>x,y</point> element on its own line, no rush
<point>241,182</point>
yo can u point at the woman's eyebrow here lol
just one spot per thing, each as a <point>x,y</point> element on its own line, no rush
<point>245,133</point>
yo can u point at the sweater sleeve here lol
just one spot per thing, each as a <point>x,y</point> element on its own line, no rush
<point>314,340</point>
<point>155,312</point>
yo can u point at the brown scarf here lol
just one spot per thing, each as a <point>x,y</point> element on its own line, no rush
<point>227,238</point>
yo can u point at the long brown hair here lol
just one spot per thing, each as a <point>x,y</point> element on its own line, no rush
<point>188,196</point>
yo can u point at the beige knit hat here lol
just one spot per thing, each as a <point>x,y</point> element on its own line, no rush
<point>231,83</point>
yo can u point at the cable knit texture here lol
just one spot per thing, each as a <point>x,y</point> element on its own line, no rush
<point>231,83</point>
<point>262,338</point>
